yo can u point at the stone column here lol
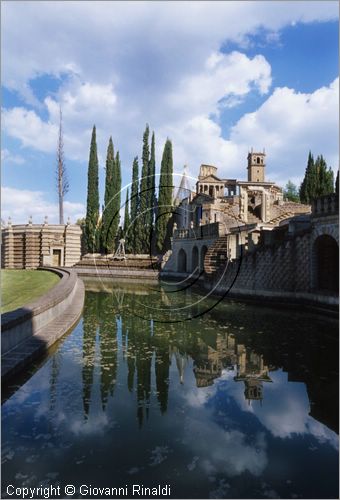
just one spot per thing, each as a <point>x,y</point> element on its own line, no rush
<point>263,207</point>
<point>72,244</point>
<point>268,209</point>
<point>45,244</point>
<point>32,246</point>
<point>244,204</point>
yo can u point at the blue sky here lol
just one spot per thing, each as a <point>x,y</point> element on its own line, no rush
<point>215,77</point>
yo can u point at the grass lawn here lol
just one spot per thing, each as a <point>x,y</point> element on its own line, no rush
<point>19,287</point>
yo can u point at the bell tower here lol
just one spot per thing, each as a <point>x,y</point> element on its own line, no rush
<point>256,166</point>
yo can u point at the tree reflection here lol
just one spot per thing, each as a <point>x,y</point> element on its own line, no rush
<point>90,323</point>
<point>246,344</point>
<point>108,347</point>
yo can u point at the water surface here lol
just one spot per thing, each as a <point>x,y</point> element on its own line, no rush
<point>241,402</point>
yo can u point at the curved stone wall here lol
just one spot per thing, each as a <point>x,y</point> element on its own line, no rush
<point>31,329</point>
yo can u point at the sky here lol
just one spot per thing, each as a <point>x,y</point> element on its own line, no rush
<point>217,78</point>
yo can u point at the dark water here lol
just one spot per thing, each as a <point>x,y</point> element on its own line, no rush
<point>241,402</point>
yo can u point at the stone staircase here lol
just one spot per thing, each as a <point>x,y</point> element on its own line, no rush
<point>253,219</point>
<point>216,256</point>
<point>279,215</point>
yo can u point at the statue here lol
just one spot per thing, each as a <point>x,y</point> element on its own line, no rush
<point>120,252</point>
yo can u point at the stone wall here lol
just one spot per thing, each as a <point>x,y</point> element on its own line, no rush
<point>28,246</point>
<point>284,266</point>
<point>28,331</point>
<point>297,260</point>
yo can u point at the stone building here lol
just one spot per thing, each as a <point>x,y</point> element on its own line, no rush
<point>233,202</point>
<point>255,243</point>
<point>28,246</point>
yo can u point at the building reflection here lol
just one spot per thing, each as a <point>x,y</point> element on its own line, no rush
<point>213,358</point>
<point>252,371</point>
<point>149,349</point>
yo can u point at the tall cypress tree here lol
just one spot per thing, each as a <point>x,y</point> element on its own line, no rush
<point>107,235</point>
<point>126,228</point>
<point>92,205</point>
<point>151,184</point>
<point>165,197</point>
<point>309,179</point>
<point>135,204</point>
<point>144,192</point>
<point>117,186</point>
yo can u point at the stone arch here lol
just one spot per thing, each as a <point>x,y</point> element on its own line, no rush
<point>195,259</point>
<point>204,250</point>
<point>326,264</point>
<point>330,230</point>
<point>182,261</point>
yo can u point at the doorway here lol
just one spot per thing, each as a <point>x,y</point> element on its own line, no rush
<point>56,257</point>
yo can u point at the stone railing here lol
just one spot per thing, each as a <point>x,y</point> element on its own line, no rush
<point>325,205</point>
<point>213,230</point>
<point>26,321</point>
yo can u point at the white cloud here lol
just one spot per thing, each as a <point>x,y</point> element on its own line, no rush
<point>32,131</point>
<point>81,103</point>
<point>231,74</point>
<point>289,123</point>
<point>20,204</point>
<point>285,409</point>
<point>122,64</point>
<point>8,157</point>
<point>97,38</point>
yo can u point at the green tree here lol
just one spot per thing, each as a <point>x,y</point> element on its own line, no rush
<point>309,181</point>
<point>136,221</point>
<point>111,209</point>
<point>92,206</point>
<point>144,192</point>
<point>291,192</point>
<point>107,234</point>
<point>165,198</point>
<point>117,182</point>
<point>151,185</point>
<point>318,180</point>
<point>126,228</point>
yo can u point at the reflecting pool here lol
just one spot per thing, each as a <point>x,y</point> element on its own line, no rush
<point>240,402</point>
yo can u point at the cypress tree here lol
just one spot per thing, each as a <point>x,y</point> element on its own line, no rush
<point>134,190</point>
<point>136,244</point>
<point>144,192</point>
<point>127,229</point>
<point>165,197</point>
<point>151,183</point>
<point>117,183</point>
<point>107,235</point>
<point>330,181</point>
<point>306,183</point>
<point>92,205</point>
<point>318,180</point>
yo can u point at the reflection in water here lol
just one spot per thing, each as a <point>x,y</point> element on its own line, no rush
<point>252,371</point>
<point>172,393</point>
